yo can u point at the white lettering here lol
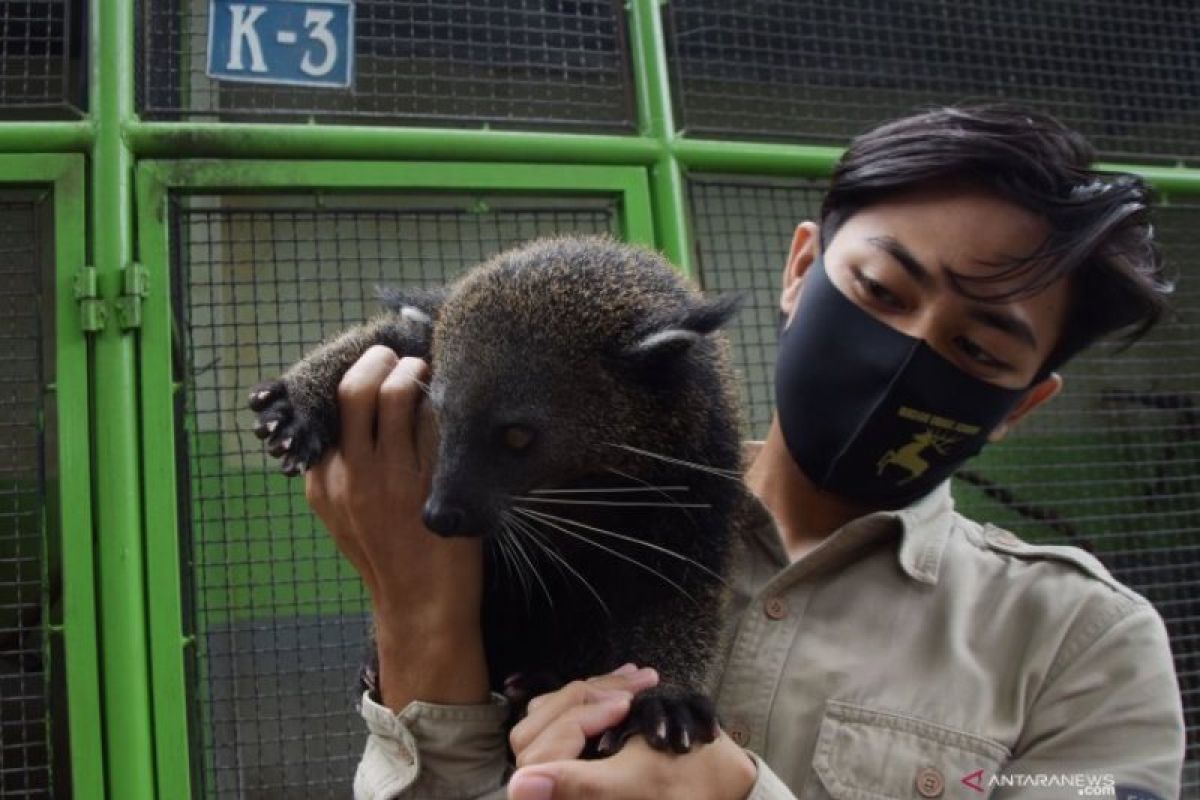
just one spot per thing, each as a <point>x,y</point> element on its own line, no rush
<point>242,32</point>
<point>317,21</point>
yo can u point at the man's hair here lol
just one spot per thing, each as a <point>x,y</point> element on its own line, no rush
<point>1100,235</point>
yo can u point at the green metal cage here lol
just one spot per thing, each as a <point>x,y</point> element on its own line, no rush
<point>173,622</point>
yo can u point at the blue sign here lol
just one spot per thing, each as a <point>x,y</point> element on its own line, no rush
<point>292,42</point>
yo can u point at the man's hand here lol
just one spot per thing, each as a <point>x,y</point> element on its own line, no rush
<point>425,590</point>
<point>548,741</point>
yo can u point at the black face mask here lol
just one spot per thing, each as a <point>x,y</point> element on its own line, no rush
<point>869,413</point>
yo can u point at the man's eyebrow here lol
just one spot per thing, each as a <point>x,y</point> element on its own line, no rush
<point>906,259</point>
<point>1013,326</point>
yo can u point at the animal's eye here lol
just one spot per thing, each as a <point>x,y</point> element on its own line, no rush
<point>516,437</point>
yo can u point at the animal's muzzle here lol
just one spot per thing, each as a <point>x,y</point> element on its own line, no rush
<point>446,519</point>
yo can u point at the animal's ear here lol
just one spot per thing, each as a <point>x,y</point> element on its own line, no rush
<point>669,341</point>
<point>420,307</point>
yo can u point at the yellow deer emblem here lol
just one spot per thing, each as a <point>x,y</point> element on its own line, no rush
<point>909,456</point>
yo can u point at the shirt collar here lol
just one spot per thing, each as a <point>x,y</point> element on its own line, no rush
<point>923,526</point>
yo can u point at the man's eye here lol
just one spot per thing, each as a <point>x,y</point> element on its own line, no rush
<point>877,291</point>
<point>976,353</point>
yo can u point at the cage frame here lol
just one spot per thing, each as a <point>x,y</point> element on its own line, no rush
<point>69,393</point>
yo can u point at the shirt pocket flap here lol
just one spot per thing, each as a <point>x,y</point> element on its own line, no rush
<point>864,754</point>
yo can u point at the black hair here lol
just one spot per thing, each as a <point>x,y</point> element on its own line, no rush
<point>1100,235</point>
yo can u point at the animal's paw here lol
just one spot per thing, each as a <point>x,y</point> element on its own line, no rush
<point>288,434</point>
<point>668,717</point>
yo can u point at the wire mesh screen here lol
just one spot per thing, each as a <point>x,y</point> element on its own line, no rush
<point>1112,465</point>
<point>28,678</point>
<point>498,63</point>
<point>280,618</point>
<point>41,72</point>
<point>1123,72</point>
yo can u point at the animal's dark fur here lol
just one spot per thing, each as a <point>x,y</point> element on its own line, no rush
<point>601,350</point>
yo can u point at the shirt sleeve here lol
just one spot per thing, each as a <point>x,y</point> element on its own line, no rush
<point>1108,715</point>
<point>435,752</point>
<point>767,785</point>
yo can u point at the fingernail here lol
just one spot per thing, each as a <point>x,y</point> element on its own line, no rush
<point>532,787</point>
<point>625,669</point>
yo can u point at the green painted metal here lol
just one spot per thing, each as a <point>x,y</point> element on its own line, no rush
<point>254,140</point>
<point>1179,181</point>
<point>657,123</point>
<point>46,137</point>
<point>117,477</point>
<point>65,173</point>
<point>156,180</point>
<point>757,158</point>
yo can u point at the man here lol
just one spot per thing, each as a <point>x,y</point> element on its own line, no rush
<point>881,645</point>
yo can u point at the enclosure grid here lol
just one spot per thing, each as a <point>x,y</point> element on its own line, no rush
<point>279,617</point>
<point>36,68</point>
<point>503,63</point>
<point>1124,73</point>
<point>1112,466</point>
<point>25,674</point>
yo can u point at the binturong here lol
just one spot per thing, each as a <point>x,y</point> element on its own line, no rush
<point>589,431</point>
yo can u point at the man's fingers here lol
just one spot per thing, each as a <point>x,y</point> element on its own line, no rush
<point>358,393</point>
<point>399,396</point>
<point>545,709</point>
<point>566,736</point>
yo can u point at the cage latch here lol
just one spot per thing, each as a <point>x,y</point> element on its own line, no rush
<point>87,295</point>
<point>135,284</point>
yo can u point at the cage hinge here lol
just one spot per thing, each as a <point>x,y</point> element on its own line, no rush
<point>135,285</point>
<point>87,294</point>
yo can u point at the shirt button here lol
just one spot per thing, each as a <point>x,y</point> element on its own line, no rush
<point>776,608</point>
<point>739,733</point>
<point>930,782</point>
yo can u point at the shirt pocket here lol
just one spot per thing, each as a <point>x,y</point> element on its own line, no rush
<point>866,754</point>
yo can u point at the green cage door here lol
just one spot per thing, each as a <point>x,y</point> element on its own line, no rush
<point>258,625</point>
<point>50,743</point>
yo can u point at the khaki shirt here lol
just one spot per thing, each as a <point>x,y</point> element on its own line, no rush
<point>912,654</point>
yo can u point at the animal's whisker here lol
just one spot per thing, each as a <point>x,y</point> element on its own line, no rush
<point>503,538</point>
<point>520,548</point>
<point>535,516</point>
<point>622,503</point>
<point>724,473</point>
<point>629,477</point>
<point>535,536</point>
<point>632,540</point>
<point>613,490</point>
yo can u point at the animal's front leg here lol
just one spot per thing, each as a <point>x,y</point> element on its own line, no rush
<point>297,414</point>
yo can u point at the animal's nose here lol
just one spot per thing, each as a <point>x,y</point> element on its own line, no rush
<point>444,519</point>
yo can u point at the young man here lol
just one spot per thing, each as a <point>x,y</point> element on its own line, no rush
<point>881,644</point>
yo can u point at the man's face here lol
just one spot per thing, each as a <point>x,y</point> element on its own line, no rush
<point>892,260</point>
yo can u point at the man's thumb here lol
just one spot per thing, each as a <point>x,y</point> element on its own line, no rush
<point>532,783</point>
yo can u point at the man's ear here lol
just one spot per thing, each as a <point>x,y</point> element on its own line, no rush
<point>806,244</point>
<point>1037,395</point>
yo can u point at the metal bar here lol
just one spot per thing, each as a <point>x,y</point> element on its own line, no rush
<point>654,106</point>
<point>46,137</point>
<point>75,492</point>
<point>221,174</point>
<point>255,140</point>
<point>757,158</point>
<point>164,585</point>
<point>1168,180</point>
<point>117,477</point>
